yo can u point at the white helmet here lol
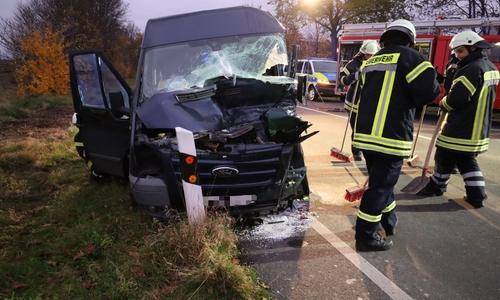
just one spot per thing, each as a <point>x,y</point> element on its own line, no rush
<point>369,47</point>
<point>404,26</point>
<point>468,38</point>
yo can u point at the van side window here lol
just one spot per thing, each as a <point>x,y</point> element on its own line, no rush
<point>111,84</point>
<point>87,78</point>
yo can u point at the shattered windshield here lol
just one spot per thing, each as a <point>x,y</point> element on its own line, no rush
<point>191,64</point>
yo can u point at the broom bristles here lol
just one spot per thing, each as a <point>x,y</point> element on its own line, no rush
<point>413,161</point>
<point>354,193</point>
<point>343,156</point>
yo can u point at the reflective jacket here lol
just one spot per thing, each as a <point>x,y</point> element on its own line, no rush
<point>394,82</point>
<point>466,128</point>
<point>347,79</point>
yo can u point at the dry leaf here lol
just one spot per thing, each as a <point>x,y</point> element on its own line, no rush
<point>87,285</point>
<point>79,255</point>
<point>49,280</point>
<point>17,286</point>
<point>90,250</point>
<point>37,241</point>
<point>134,254</point>
<point>52,263</point>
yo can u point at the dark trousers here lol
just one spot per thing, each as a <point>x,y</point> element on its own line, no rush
<point>377,204</point>
<point>466,163</point>
<point>352,121</point>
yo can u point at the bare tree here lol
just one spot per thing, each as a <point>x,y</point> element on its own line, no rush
<point>82,23</point>
<point>330,15</point>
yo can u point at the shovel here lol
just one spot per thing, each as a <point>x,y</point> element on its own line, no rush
<point>420,182</point>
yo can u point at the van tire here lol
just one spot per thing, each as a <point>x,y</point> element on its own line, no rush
<point>312,93</point>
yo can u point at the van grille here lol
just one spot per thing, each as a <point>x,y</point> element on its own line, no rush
<point>257,170</point>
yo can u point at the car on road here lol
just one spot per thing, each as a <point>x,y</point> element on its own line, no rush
<point>321,74</point>
<point>218,74</point>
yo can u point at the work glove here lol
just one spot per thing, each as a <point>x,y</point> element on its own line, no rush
<point>452,66</point>
<point>439,77</point>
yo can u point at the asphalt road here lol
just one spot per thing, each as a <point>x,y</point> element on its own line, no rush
<point>444,249</point>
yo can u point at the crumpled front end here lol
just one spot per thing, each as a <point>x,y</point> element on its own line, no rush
<point>241,110</point>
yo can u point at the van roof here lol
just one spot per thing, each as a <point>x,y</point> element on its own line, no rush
<point>231,21</point>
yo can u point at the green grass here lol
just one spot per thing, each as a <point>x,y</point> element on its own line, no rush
<point>65,237</point>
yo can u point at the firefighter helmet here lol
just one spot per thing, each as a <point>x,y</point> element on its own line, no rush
<point>468,38</point>
<point>403,26</point>
<point>369,47</point>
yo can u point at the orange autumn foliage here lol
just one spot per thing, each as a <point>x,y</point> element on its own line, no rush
<point>44,68</point>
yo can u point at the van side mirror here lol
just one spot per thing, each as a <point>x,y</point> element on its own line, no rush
<point>117,104</point>
<point>293,61</point>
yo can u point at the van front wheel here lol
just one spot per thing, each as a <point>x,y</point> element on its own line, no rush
<point>312,94</point>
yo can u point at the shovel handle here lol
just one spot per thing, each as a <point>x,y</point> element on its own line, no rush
<point>422,114</point>
<point>432,143</point>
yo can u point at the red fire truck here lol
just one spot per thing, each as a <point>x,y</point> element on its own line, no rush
<point>433,39</point>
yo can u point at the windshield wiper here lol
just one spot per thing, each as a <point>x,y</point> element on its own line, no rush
<point>205,93</point>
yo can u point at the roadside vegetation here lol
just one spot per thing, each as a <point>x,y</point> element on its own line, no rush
<point>65,237</point>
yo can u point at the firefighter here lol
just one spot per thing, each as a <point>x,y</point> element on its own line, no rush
<point>469,108</point>
<point>348,77</point>
<point>392,84</point>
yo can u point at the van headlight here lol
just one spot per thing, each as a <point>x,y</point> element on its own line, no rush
<point>323,81</point>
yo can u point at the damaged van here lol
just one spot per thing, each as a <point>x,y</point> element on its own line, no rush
<point>217,73</point>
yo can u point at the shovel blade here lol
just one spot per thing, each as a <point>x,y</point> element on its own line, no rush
<point>416,185</point>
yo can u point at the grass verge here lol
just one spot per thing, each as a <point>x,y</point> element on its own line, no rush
<point>64,237</point>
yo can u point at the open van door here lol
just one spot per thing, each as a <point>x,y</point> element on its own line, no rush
<point>102,101</point>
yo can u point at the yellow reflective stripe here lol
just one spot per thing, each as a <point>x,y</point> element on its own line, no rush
<point>389,207</point>
<point>369,218</point>
<point>463,145</point>
<point>466,83</point>
<point>355,108</point>
<point>346,71</point>
<point>79,144</point>
<point>477,128</point>
<point>444,103</point>
<point>491,76</point>
<point>383,103</point>
<point>89,164</point>
<point>382,144</point>
<point>418,70</point>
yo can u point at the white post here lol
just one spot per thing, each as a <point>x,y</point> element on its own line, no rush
<point>189,170</point>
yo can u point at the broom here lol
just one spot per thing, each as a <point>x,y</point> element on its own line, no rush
<point>356,192</point>
<point>338,153</point>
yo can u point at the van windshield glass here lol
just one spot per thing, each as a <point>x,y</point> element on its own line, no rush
<point>325,66</point>
<point>189,65</point>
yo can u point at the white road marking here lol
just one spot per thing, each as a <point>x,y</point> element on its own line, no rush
<point>389,287</point>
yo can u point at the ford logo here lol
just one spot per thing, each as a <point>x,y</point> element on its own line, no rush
<point>225,171</point>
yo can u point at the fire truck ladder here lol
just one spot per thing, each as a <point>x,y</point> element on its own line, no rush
<point>421,27</point>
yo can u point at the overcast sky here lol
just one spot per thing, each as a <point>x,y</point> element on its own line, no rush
<point>142,10</point>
